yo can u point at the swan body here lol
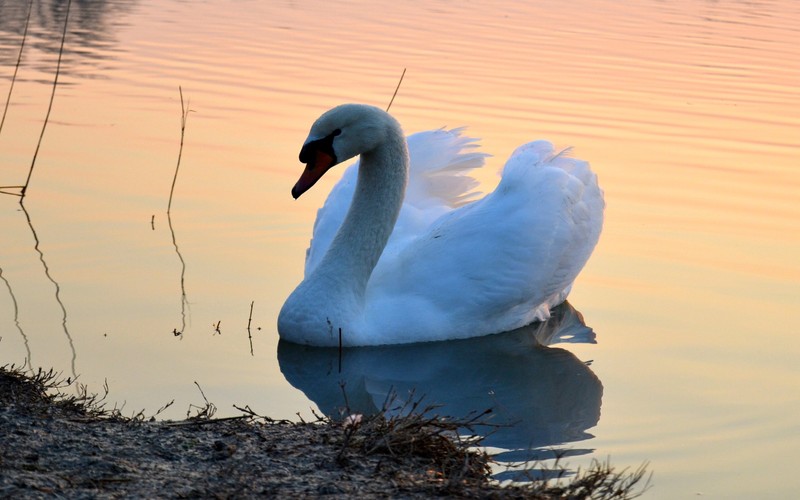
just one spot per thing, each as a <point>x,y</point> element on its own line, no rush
<point>402,251</point>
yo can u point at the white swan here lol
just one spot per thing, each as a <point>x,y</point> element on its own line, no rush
<point>452,268</point>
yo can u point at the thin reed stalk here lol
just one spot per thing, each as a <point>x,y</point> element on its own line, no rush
<point>396,89</point>
<point>184,116</point>
<point>50,106</point>
<point>16,69</point>
<point>249,321</point>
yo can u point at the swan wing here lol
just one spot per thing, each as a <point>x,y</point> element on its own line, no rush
<point>497,263</point>
<point>439,181</point>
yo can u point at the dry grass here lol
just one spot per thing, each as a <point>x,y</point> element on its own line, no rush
<point>414,430</point>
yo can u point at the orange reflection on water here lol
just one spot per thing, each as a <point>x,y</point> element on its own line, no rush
<point>687,110</point>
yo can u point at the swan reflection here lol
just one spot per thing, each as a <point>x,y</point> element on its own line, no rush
<point>542,397</point>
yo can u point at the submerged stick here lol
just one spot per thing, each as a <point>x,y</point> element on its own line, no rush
<point>396,89</point>
<point>50,106</point>
<point>340,350</point>
<point>184,116</point>
<point>16,68</point>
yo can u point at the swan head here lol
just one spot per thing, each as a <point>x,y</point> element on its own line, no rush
<point>338,135</point>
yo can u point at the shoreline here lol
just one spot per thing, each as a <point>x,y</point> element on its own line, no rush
<point>57,445</point>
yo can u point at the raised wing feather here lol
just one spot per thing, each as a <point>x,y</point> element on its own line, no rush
<point>439,181</point>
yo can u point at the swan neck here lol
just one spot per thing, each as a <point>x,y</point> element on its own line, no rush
<point>378,197</point>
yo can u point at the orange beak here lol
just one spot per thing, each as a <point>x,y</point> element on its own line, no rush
<point>314,171</point>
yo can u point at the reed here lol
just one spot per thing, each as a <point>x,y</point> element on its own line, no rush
<point>396,89</point>
<point>17,190</point>
<point>249,321</point>
<point>50,105</point>
<point>16,70</point>
<point>184,115</point>
<point>184,302</point>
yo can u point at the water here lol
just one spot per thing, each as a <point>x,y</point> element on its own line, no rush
<point>688,111</point>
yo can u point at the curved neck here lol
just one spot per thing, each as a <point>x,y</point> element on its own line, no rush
<point>378,197</point>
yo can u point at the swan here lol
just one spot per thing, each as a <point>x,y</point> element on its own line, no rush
<point>403,252</point>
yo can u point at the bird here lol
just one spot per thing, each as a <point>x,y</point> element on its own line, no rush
<point>404,249</point>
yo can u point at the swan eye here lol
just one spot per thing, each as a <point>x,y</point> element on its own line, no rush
<point>308,154</point>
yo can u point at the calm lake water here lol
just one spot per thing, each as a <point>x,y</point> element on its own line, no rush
<point>689,111</point>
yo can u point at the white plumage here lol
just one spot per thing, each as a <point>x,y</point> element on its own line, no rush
<point>432,262</point>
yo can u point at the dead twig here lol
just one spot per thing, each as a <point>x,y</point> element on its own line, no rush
<point>204,412</point>
<point>160,410</point>
<point>193,421</point>
<point>248,412</point>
